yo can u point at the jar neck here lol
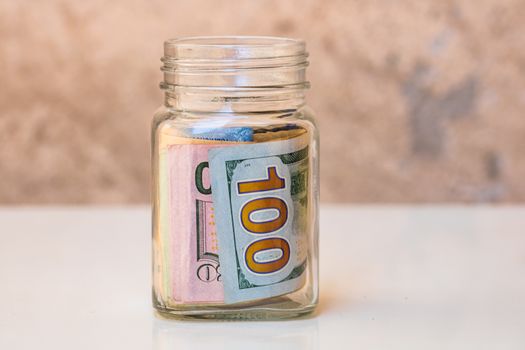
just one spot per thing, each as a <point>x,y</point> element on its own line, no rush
<point>234,74</point>
<point>238,101</point>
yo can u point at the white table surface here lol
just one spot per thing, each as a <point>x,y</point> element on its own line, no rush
<point>391,278</point>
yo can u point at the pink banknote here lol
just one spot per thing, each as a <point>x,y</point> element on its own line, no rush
<point>196,274</point>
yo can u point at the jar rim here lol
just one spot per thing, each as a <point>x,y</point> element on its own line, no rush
<point>233,47</point>
<point>235,65</point>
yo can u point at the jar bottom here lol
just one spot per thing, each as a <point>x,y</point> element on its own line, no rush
<point>278,308</point>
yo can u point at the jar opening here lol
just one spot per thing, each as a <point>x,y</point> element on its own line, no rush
<point>234,62</point>
<point>250,72</point>
<point>232,47</point>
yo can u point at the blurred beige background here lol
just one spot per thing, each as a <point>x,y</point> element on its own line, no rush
<point>418,101</point>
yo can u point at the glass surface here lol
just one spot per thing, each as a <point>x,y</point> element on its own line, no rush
<point>227,92</point>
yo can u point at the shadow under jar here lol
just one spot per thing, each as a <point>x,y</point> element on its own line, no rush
<point>235,181</point>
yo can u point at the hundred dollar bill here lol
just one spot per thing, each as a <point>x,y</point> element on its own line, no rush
<point>260,197</point>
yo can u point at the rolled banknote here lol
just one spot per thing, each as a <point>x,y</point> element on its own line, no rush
<point>277,133</point>
<point>236,134</point>
<point>179,274</point>
<point>195,238</point>
<point>196,275</point>
<point>260,199</point>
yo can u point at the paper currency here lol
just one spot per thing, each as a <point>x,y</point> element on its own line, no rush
<point>192,271</point>
<point>194,250</point>
<point>237,134</point>
<point>179,155</point>
<point>260,199</point>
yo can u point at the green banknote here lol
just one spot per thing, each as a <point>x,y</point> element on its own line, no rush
<point>260,194</point>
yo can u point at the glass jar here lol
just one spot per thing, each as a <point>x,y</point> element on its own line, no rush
<point>235,181</point>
